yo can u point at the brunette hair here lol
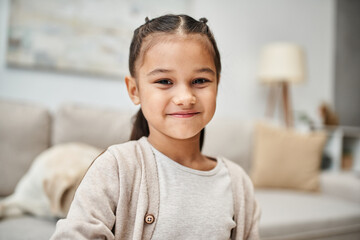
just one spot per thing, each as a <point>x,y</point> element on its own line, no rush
<point>168,24</point>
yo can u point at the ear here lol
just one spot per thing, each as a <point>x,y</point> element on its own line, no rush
<point>132,89</point>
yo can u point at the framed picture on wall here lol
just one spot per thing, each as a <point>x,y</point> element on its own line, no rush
<point>76,36</point>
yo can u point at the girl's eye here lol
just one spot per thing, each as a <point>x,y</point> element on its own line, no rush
<point>200,81</point>
<point>164,82</point>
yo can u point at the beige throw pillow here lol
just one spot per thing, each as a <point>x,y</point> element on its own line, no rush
<point>284,158</point>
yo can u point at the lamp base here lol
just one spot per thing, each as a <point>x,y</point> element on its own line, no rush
<point>282,90</point>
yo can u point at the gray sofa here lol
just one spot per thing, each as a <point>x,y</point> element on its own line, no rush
<point>27,129</point>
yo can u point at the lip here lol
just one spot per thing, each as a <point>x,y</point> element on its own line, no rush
<point>183,114</point>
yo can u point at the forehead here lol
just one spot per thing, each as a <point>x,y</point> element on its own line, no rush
<point>160,42</point>
<point>156,38</point>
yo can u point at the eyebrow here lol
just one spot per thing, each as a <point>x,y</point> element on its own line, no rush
<point>205,70</point>
<point>162,70</point>
<point>159,70</point>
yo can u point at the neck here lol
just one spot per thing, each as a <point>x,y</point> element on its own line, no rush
<point>183,151</point>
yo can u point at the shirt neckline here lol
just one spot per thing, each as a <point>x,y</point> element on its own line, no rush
<point>159,156</point>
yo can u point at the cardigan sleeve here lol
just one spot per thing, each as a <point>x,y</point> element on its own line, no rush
<point>251,209</point>
<point>92,212</point>
<point>253,233</point>
<point>247,210</point>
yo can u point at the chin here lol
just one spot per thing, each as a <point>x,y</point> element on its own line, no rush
<point>184,135</point>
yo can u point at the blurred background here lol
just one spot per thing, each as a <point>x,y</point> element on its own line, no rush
<point>56,51</point>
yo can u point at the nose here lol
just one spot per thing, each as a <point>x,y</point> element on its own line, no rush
<point>184,97</point>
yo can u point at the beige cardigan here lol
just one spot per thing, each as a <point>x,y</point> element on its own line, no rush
<point>122,187</point>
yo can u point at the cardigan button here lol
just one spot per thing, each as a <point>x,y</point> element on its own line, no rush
<point>149,218</point>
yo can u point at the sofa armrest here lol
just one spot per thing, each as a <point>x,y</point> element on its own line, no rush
<point>343,184</point>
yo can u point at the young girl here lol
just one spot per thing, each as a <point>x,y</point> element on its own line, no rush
<point>160,186</point>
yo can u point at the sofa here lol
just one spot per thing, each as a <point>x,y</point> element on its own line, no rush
<point>27,129</point>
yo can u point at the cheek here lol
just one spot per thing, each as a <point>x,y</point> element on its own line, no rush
<point>209,99</point>
<point>152,101</point>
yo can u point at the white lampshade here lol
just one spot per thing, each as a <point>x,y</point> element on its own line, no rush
<point>282,62</point>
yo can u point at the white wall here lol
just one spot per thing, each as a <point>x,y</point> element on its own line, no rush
<point>241,28</point>
<point>52,88</point>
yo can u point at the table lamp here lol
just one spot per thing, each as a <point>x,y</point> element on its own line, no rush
<point>280,65</point>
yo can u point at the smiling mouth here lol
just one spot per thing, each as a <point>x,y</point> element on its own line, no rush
<point>183,114</point>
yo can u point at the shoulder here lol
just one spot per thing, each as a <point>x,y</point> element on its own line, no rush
<point>234,168</point>
<point>238,175</point>
<point>130,149</point>
<point>123,149</point>
<point>124,156</point>
<point>131,154</point>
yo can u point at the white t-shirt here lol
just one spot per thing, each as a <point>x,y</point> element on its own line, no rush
<point>194,204</point>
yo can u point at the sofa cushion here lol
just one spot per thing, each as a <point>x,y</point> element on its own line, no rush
<point>24,133</point>
<point>290,214</point>
<point>27,227</point>
<point>343,184</point>
<point>98,127</point>
<point>284,158</point>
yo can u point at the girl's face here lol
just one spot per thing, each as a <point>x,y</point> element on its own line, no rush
<point>176,86</point>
